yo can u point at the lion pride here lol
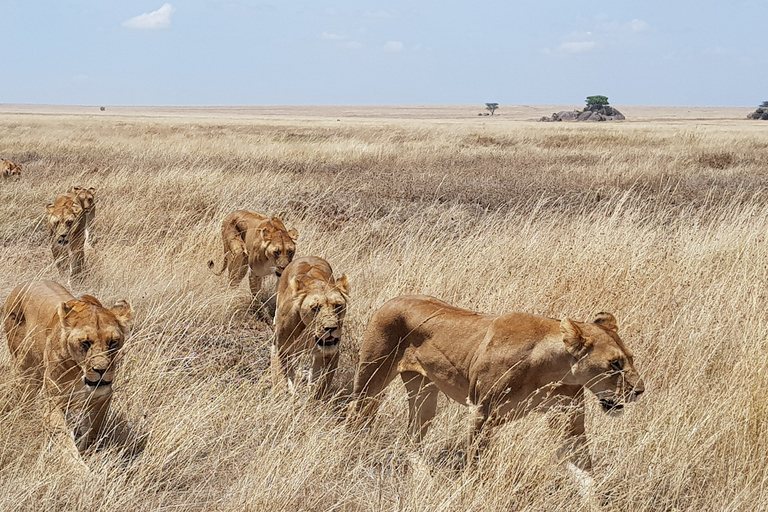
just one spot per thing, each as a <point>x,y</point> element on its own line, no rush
<point>311,306</point>
<point>505,365</point>
<point>9,169</point>
<point>66,225</point>
<point>253,242</point>
<point>70,349</point>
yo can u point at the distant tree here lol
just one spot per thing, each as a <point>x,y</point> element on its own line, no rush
<point>492,107</point>
<point>597,101</point>
<point>764,104</point>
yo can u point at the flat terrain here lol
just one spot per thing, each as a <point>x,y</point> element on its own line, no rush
<point>661,220</point>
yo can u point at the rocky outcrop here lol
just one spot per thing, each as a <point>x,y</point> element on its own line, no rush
<point>760,113</point>
<point>592,113</point>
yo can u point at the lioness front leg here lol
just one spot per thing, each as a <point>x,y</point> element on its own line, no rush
<point>60,258</point>
<point>77,262</point>
<point>323,370</point>
<point>282,367</point>
<point>255,281</point>
<point>93,422</point>
<point>58,434</point>
<point>575,448</point>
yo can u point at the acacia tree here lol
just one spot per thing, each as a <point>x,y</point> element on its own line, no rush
<point>492,107</point>
<point>597,101</point>
<point>764,104</point>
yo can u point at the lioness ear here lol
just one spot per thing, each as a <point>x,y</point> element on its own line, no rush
<point>293,234</point>
<point>295,285</point>
<point>92,190</point>
<point>122,311</point>
<point>607,320</point>
<point>574,342</point>
<point>63,310</point>
<point>49,208</point>
<point>76,208</point>
<point>342,284</point>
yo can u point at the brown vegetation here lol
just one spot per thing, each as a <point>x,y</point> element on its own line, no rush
<point>558,220</point>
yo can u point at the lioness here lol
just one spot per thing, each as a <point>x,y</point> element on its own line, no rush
<point>87,199</point>
<point>506,365</point>
<point>69,347</point>
<point>251,241</point>
<point>311,305</point>
<point>9,169</point>
<point>66,225</point>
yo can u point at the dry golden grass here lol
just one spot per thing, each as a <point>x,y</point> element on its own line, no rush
<point>662,223</point>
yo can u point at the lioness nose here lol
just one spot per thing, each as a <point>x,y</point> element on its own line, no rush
<point>100,371</point>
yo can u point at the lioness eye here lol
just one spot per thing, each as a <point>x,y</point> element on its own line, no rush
<point>617,365</point>
<point>316,309</point>
<point>277,253</point>
<point>86,345</point>
<point>339,308</point>
<point>290,254</point>
<point>113,345</point>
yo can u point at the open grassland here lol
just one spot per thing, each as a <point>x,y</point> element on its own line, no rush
<point>662,223</point>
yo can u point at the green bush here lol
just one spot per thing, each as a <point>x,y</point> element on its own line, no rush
<point>598,100</point>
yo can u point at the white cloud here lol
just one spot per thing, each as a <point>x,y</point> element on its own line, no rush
<point>160,18</point>
<point>332,37</point>
<point>638,26</point>
<point>577,47</point>
<point>394,46</point>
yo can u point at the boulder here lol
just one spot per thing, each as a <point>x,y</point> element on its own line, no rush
<point>592,113</point>
<point>760,113</point>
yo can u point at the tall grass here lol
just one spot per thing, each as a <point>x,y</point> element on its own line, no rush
<point>663,225</point>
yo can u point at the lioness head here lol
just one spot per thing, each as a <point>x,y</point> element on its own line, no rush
<point>93,336</point>
<point>280,244</point>
<point>323,306</point>
<point>603,363</point>
<point>85,197</point>
<point>64,218</point>
<point>10,169</point>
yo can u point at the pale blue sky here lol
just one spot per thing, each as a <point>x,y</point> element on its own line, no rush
<point>254,52</point>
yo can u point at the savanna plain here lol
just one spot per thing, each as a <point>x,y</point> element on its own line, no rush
<point>662,221</point>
